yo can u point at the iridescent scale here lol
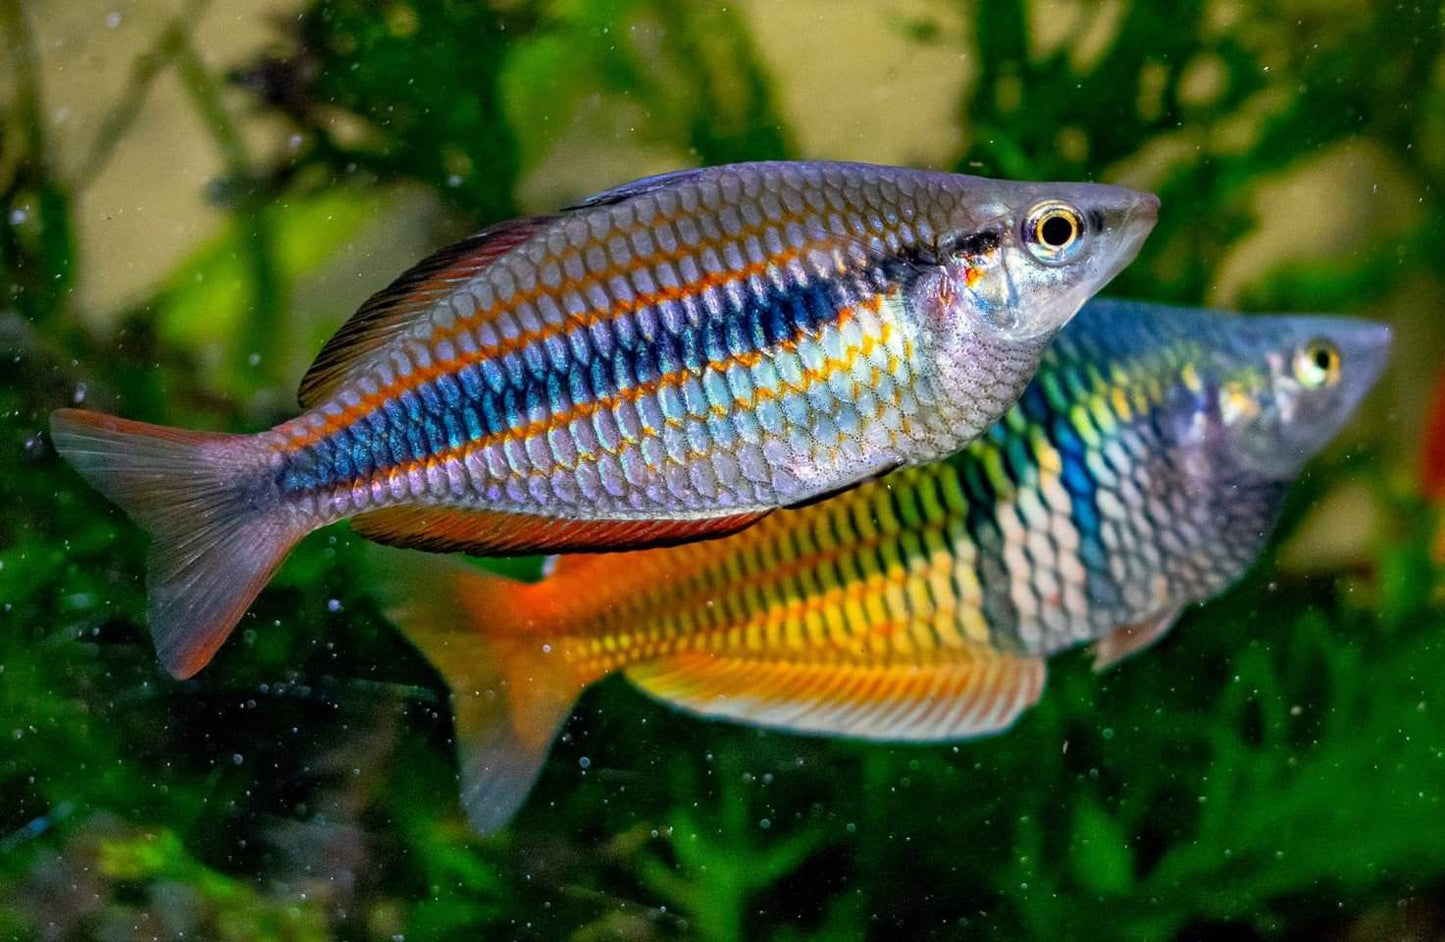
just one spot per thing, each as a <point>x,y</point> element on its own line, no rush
<point>1093,504</point>
<point>718,341</point>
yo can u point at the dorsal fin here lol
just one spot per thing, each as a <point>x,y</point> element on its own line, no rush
<point>391,310</point>
<point>637,187</point>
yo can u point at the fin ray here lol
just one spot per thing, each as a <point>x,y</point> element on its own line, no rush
<point>897,702</point>
<point>509,697</point>
<point>1131,639</point>
<point>499,533</point>
<point>388,313</point>
<point>213,547</point>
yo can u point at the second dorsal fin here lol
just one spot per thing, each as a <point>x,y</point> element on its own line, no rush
<point>391,310</point>
<point>637,187</point>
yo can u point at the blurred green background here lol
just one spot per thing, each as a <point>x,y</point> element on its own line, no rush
<point>194,195</point>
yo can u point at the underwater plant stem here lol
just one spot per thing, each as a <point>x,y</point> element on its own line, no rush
<point>40,266</point>
<point>265,326</point>
<point>147,67</point>
<point>27,78</point>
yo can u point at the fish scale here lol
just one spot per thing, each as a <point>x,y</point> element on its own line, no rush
<point>672,359</point>
<point>1140,472</point>
<point>655,328</point>
<point>1015,542</point>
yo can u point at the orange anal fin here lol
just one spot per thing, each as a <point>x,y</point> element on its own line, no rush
<point>495,533</point>
<point>957,694</point>
<point>393,309</point>
<point>1132,639</point>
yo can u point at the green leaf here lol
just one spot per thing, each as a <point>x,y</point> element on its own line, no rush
<point>1100,855</point>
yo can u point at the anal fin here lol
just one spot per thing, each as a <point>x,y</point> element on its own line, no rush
<point>956,693</point>
<point>1131,639</point>
<point>501,533</point>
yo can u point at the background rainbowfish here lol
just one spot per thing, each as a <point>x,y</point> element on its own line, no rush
<point>670,359</point>
<point>1141,471</point>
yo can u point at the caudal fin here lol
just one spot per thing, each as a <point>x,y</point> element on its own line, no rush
<point>510,692</point>
<point>214,540</point>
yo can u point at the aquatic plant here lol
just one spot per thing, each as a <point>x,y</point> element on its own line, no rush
<point>1274,769</point>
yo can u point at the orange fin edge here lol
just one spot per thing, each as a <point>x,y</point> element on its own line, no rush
<point>500,533</point>
<point>389,312</point>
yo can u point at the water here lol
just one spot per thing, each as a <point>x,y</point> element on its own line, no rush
<point>178,252</point>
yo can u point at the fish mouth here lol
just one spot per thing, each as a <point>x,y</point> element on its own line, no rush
<point>1145,207</point>
<point>1134,228</point>
<point>1367,347</point>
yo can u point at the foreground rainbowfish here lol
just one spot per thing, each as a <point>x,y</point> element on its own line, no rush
<point>1142,471</point>
<point>668,360</point>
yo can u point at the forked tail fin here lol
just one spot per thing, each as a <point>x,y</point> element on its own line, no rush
<point>216,534</point>
<point>511,692</point>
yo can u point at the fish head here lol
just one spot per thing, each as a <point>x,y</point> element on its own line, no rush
<point>1031,254</point>
<point>1292,383</point>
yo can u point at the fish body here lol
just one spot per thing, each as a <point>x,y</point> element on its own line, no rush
<point>1141,471</point>
<point>668,360</point>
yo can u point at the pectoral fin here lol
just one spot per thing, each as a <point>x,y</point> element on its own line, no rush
<point>1131,639</point>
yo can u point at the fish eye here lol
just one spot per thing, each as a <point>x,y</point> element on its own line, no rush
<point>1053,231</point>
<point>1317,364</point>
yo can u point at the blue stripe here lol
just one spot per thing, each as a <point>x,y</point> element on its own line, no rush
<point>587,364</point>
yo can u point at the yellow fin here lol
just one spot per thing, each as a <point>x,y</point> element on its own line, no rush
<point>956,694</point>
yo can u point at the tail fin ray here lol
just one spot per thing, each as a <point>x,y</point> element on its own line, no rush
<point>510,692</point>
<point>215,538</point>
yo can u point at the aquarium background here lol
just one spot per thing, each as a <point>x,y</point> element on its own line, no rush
<point>194,195</point>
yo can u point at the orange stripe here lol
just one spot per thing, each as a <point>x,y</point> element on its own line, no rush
<point>588,409</point>
<point>304,436</point>
<point>419,376</point>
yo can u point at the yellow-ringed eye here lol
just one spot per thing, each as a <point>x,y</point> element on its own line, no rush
<point>1317,364</point>
<point>1053,231</point>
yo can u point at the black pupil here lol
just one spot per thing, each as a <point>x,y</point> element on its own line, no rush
<point>1056,231</point>
<point>1323,358</point>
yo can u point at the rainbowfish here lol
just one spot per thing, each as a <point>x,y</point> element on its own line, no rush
<point>668,360</point>
<point>1141,471</point>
